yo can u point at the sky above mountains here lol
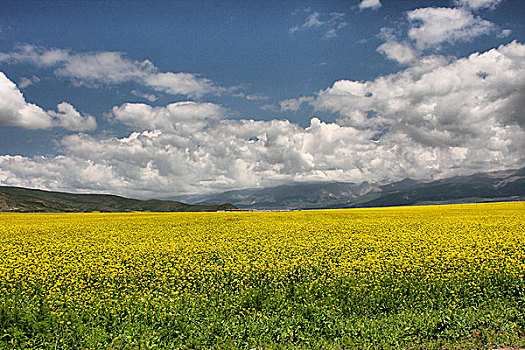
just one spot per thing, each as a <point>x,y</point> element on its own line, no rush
<point>159,99</point>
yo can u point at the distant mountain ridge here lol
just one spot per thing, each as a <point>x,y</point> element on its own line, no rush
<point>299,195</point>
<point>491,186</point>
<point>481,187</point>
<point>18,199</point>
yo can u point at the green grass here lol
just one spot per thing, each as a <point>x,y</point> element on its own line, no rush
<point>293,316</point>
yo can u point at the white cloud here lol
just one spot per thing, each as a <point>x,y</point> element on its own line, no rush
<point>179,83</point>
<point>312,21</point>
<point>505,33</point>
<point>294,104</point>
<point>35,55</point>
<point>330,33</point>
<point>332,24</point>
<point>111,68</point>
<point>430,27</point>
<point>69,118</point>
<point>175,117</point>
<point>478,4</point>
<point>25,82</point>
<point>149,97</point>
<point>59,173</point>
<point>269,107</point>
<point>399,52</point>
<point>370,4</point>
<point>440,116</point>
<point>466,102</point>
<point>434,26</point>
<point>256,97</point>
<point>241,153</point>
<point>251,97</point>
<point>104,67</point>
<point>15,111</point>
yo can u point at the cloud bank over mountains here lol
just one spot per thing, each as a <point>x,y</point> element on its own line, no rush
<point>439,117</point>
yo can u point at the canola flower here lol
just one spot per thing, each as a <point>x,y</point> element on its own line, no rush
<point>254,278</point>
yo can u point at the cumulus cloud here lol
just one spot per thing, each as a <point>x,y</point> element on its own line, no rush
<point>401,53</point>
<point>172,118</point>
<point>431,26</point>
<point>111,68</point>
<point>15,111</point>
<point>478,4</point>
<point>439,103</point>
<point>441,116</point>
<point>104,67</point>
<point>233,153</point>
<point>370,4</point>
<point>69,118</point>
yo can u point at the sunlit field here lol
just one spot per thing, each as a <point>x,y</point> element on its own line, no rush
<point>412,277</point>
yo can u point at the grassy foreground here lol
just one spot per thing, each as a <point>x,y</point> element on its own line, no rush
<point>415,277</point>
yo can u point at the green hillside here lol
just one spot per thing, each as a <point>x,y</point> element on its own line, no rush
<point>18,199</point>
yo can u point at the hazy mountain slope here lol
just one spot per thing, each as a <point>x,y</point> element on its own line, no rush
<point>17,199</point>
<point>300,195</point>
<point>501,185</point>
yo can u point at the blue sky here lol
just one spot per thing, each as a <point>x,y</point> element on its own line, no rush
<point>157,99</point>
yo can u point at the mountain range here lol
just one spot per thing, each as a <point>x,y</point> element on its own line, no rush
<point>480,187</point>
<point>18,199</point>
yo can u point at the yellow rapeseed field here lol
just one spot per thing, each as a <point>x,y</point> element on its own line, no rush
<point>432,275</point>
